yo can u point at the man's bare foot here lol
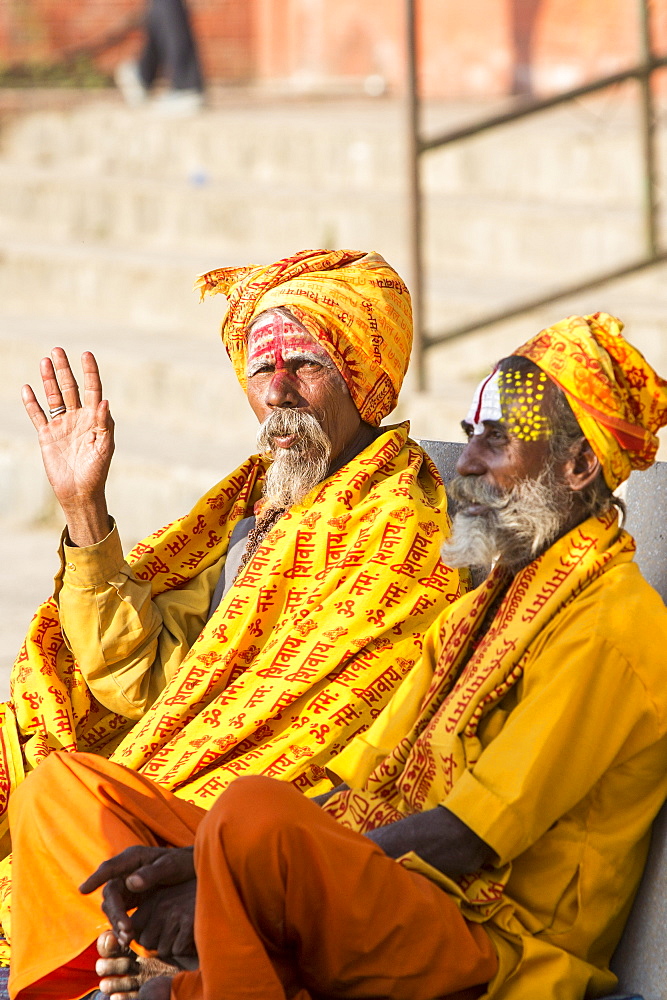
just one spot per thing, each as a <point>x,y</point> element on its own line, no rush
<point>124,976</point>
<point>117,968</point>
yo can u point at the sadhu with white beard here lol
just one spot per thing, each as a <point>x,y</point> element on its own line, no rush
<point>260,632</point>
<point>515,773</point>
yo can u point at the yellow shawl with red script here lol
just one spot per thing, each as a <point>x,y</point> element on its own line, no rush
<point>304,650</point>
<point>428,736</point>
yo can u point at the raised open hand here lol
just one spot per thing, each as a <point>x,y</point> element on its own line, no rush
<point>76,444</point>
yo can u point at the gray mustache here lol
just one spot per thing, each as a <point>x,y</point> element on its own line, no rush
<point>284,422</point>
<point>470,489</point>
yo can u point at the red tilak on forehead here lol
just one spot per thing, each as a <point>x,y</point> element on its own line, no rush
<point>277,335</point>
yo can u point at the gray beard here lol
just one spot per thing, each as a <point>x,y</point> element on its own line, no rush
<point>516,527</point>
<point>294,471</point>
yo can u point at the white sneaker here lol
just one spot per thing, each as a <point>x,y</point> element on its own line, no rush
<point>130,84</point>
<point>179,102</point>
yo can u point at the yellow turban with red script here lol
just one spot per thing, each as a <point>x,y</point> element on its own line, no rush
<point>353,303</point>
<point>618,399</point>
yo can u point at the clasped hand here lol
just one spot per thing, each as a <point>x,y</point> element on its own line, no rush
<point>161,883</point>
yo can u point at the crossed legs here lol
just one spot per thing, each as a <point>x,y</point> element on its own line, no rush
<point>289,903</point>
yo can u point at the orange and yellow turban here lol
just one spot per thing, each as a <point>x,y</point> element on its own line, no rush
<point>618,399</point>
<point>353,303</point>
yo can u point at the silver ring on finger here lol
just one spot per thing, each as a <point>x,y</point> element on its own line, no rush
<point>57,410</point>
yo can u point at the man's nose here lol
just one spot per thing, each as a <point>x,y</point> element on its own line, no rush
<point>283,390</point>
<point>470,461</point>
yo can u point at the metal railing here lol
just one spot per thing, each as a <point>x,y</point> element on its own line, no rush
<point>418,146</point>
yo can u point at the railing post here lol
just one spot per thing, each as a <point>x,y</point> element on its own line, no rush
<point>648,131</point>
<point>414,195</point>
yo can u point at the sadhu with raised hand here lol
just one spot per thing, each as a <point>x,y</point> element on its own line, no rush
<point>262,630</point>
<point>515,773</point>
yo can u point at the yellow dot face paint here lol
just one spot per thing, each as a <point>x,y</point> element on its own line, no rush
<point>521,402</point>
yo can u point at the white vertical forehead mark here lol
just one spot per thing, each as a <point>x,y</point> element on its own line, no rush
<point>485,403</point>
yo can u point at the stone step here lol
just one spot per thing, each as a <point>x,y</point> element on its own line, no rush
<point>558,157</point>
<point>151,289</point>
<point>217,220</point>
<point>499,234</point>
<point>544,242</point>
<point>585,153</point>
<point>640,300</point>
<point>321,144</point>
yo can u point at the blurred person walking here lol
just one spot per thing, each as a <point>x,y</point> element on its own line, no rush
<point>170,48</point>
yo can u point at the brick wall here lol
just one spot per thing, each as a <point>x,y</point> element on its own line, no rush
<point>476,48</point>
<point>467,49</point>
<point>41,30</point>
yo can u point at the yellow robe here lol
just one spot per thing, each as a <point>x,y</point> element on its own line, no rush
<point>550,743</point>
<point>302,653</point>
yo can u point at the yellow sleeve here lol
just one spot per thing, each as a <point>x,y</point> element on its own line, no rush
<point>583,710</point>
<point>127,645</point>
<point>362,755</point>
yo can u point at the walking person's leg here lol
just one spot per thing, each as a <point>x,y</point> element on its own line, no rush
<point>151,57</point>
<point>173,31</point>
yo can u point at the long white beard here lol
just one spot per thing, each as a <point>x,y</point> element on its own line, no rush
<point>296,470</point>
<point>516,527</point>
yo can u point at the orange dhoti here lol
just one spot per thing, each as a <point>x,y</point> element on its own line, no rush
<point>288,901</point>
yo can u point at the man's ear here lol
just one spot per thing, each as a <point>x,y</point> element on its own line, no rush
<point>582,466</point>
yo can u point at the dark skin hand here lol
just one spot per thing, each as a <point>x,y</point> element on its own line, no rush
<point>161,883</point>
<point>436,835</point>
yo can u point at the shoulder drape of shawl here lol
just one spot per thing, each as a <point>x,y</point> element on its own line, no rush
<point>441,741</point>
<point>320,627</point>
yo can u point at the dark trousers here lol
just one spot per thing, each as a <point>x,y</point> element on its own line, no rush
<point>170,47</point>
